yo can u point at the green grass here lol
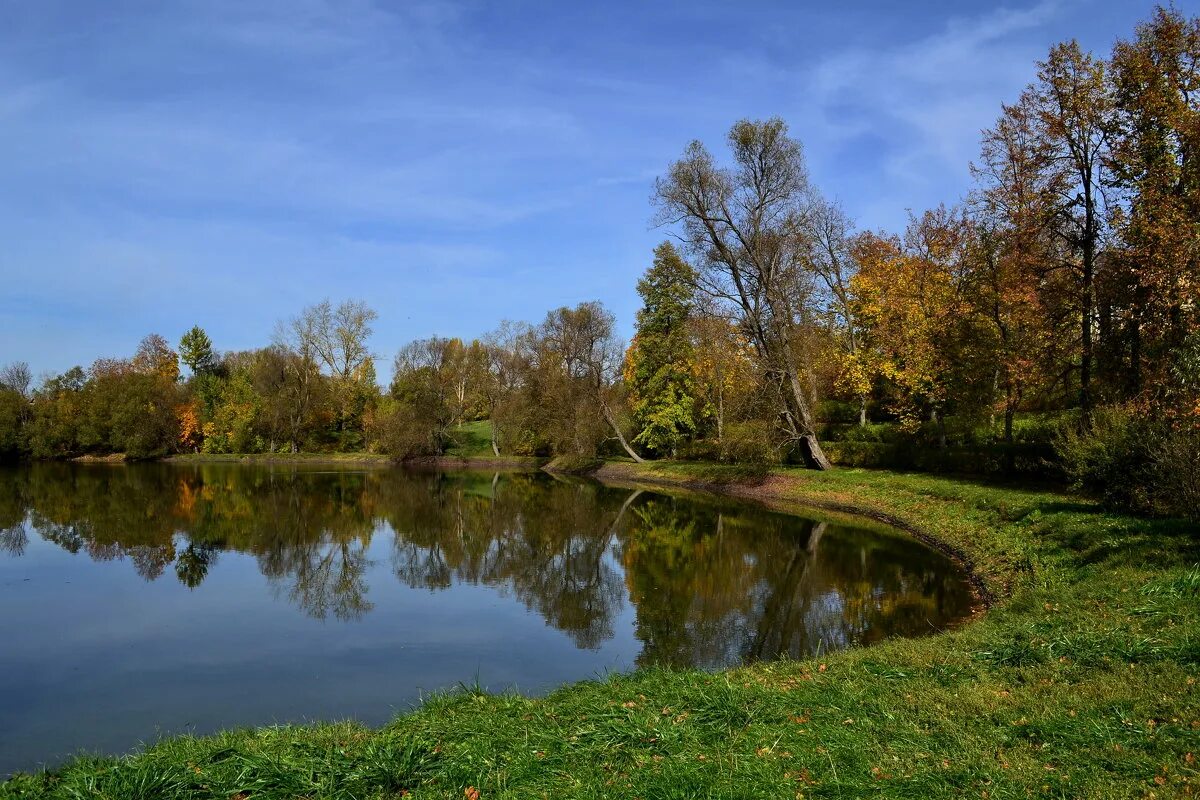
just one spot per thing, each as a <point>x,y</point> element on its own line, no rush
<point>1081,681</point>
<point>472,440</point>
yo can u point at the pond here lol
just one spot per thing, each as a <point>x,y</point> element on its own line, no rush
<point>145,600</point>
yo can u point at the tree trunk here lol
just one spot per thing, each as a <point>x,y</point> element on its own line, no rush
<point>720,410</point>
<point>612,530</point>
<point>1089,301</point>
<point>810,448</point>
<point>814,537</point>
<point>621,437</point>
<point>495,446</point>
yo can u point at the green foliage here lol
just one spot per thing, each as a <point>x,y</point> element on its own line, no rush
<point>750,442</point>
<point>658,364</point>
<point>1111,458</point>
<point>195,350</point>
<point>1134,463</point>
<point>231,428</point>
<point>143,422</point>
<point>13,408</point>
<point>53,430</point>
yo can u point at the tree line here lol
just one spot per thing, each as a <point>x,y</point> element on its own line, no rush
<point>1065,283</point>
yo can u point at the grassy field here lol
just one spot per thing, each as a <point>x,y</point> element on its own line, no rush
<point>472,440</point>
<point>1081,681</point>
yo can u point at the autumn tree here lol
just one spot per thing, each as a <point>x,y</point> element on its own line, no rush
<point>337,337</point>
<point>724,376</point>
<point>424,408</point>
<point>1155,165</point>
<point>745,228</point>
<point>464,365</point>
<point>831,261</point>
<point>906,293</point>
<point>1072,103</point>
<point>1014,209</point>
<point>56,412</point>
<point>301,384</point>
<point>17,377</point>
<point>154,357</point>
<point>16,409</point>
<point>658,368</point>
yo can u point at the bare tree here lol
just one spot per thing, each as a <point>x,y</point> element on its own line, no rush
<point>505,354</point>
<point>301,376</point>
<point>337,336</point>
<point>16,376</point>
<point>831,262</point>
<point>747,228</point>
<point>582,345</point>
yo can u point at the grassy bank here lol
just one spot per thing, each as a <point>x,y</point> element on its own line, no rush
<point>471,448</point>
<point>1081,681</point>
<point>449,461</point>
<point>348,459</point>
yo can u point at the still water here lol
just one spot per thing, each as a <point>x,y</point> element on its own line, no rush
<point>142,600</point>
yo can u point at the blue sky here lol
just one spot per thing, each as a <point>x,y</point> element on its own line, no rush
<point>453,164</point>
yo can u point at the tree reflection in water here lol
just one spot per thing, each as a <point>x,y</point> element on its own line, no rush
<point>709,582</point>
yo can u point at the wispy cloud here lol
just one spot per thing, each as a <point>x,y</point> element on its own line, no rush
<point>454,163</point>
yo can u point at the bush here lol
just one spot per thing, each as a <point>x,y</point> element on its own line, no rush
<point>837,411</point>
<point>402,431</point>
<point>1021,459</point>
<point>699,450</point>
<point>1177,472</point>
<point>749,443</point>
<point>1135,464</point>
<point>1110,459</point>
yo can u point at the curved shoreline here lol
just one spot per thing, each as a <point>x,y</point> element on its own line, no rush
<point>1083,681</point>
<point>772,489</point>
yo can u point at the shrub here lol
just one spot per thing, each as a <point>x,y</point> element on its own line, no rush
<point>699,450</point>
<point>837,411</point>
<point>1110,459</point>
<point>749,443</point>
<point>1176,459</point>
<point>1133,463</point>
<point>1021,459</point>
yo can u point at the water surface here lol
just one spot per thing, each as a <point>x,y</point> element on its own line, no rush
<point>143,600</point>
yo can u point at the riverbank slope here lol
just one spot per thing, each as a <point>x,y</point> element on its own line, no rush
<point>1080,681</point>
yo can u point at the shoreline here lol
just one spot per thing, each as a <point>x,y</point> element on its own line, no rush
<point>784,491</point>
<point>783,487</point>
<point>1084,677</point>
<point>357,459</point>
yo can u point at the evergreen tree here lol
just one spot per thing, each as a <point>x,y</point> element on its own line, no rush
<point>195,350</point>
<point>659,362</point>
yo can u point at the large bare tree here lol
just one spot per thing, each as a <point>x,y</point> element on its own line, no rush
<point>337,335</point>
<point>748,230</point>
